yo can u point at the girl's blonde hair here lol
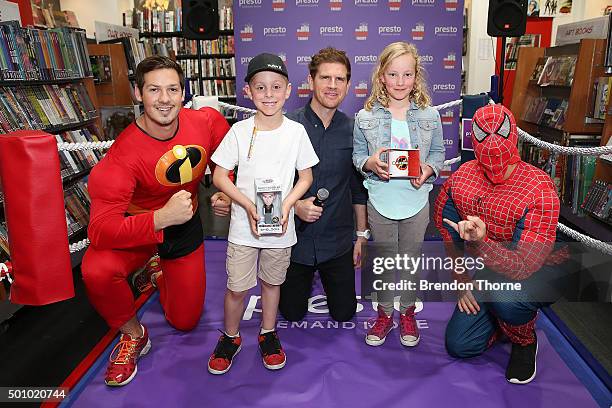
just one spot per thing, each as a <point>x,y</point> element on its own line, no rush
<point>419,93</point>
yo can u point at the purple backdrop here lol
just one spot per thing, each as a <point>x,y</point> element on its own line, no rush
<point>296,29</point>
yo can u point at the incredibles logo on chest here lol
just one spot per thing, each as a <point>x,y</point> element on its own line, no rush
<point>181,165</point>
<point>401,162</point>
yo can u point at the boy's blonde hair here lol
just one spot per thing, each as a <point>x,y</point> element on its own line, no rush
<point>419,93</point>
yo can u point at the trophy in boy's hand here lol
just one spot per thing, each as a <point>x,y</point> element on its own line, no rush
<point>268,202</point>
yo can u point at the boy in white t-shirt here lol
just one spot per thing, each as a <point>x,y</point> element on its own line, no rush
<point>264,146</point>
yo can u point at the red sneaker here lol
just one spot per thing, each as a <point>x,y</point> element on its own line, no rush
<point>409,332</point>
<point>382,326</point>
<point>144,279</point>
<point>122,368</point>
<point>221,359</point>
<point>274,357</point>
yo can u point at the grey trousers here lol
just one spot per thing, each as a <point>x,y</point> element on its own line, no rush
<point>401,237</point>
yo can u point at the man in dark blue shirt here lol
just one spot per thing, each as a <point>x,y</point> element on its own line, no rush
<point>325,234</point>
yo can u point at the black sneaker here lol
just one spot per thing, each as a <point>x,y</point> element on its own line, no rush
<point>221,359</point>
<point>274,357</point>
<point>522,365</point>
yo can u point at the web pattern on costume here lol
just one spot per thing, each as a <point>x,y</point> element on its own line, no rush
<point>521,216</point>
<point>498,147</point>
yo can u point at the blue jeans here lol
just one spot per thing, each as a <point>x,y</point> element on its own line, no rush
<point>468,335</point>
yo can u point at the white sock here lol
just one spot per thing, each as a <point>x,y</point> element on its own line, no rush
<point>234,336</point>
<point>264,331</point>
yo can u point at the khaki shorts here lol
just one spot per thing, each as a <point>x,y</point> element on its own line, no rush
<point>241,266</point>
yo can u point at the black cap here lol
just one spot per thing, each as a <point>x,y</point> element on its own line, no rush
<point>266,62</point>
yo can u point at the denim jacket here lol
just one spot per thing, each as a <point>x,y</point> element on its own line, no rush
<point>373,130</point>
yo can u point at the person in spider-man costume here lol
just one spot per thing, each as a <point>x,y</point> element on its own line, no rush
<point>505,211</point>
<point>144,200</point>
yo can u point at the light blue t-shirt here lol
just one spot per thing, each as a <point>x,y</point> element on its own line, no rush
<point>398,199</point>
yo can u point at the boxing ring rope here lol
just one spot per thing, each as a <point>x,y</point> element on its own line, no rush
<point>585,151</point>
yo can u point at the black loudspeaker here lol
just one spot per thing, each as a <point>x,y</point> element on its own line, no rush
<point>200,19</point>
<point>507,18</point>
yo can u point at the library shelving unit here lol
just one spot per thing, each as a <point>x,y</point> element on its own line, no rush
<point>209,65</point>
<point>46,84</point>
<point>563,113</point>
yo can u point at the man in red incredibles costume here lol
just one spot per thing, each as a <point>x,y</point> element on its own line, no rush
<point>506,212</point>
<point>144,200</point>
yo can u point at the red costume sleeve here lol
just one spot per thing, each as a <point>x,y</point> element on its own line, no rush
<point>444,207</point>
<point>536,234</point>
<point>111,186</point>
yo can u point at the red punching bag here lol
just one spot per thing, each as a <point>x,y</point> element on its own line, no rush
<point>35,218</point>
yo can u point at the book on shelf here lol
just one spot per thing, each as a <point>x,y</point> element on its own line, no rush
<point>34,54</point>
<point>607,157</point>
<point>598,200</point>
<point>512,48</point>
<point>550,112</point>
<point>537,71</point>
<point>571,175</point>
<point>226,18</point>
<point>38,17</point>
<point>557,71</point>
<point>5,252</point>
<point>44,106</point>
<point>75,162</point>
<point>78,206</point>
<point>602,97</point>
<point>101,68</point>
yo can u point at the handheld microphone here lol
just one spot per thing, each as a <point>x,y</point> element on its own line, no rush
<point>322,195</point>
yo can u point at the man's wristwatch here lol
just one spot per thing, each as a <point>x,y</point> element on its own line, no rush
<point>365,234</point>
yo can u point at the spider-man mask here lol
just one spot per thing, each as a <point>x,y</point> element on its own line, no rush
<point>494,137</point>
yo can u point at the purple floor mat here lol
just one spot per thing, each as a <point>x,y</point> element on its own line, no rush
<point>328,365</point>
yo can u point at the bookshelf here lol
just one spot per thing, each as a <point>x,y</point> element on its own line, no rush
<point>209,65</point>
<point>46,83</point>
<point>558,107</point>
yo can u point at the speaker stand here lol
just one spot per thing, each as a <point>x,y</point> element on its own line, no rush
<point>199,55</point>
<point>502,64</point>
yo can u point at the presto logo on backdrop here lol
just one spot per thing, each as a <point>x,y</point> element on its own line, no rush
<point>366,3</point>
<point>423,3</point>
<point>330,31</point>
<point>426,59</point>
<point>249,3</point>
<point>245,60</point>
<point>303,59</point>
<point>444,88</point>
<point>279,31</point>
<point>370,59</point>
<point>307,3</point>
<point>446,31</point>
<point>389,30</point>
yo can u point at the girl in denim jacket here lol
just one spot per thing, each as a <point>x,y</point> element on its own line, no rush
<point>397,114</point>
